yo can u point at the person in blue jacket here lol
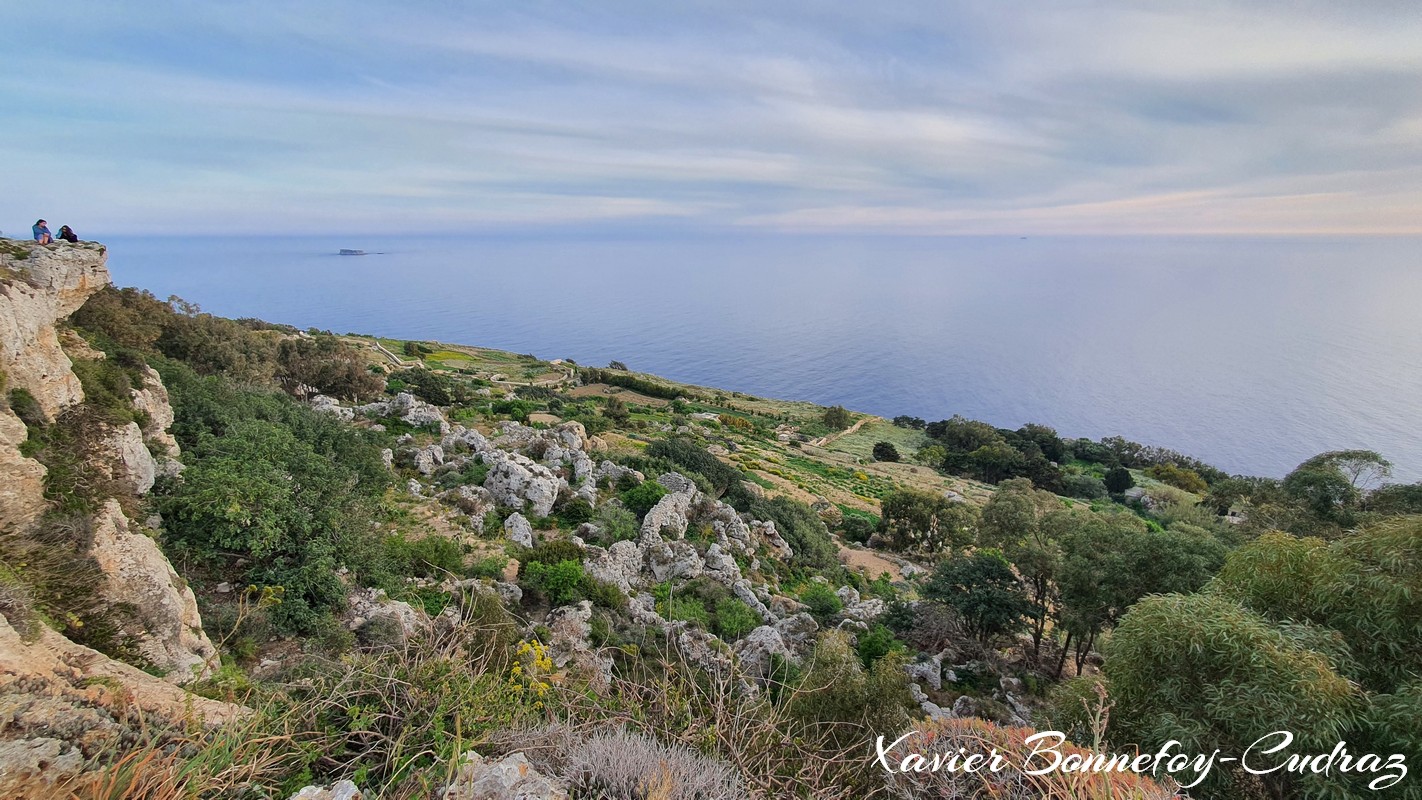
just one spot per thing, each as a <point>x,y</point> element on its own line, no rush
<point>42,234</point>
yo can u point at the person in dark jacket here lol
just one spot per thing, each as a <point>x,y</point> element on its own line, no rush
<point>41,232</point>
<point>67,234</point>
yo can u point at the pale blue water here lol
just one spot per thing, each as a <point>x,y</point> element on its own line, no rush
<point>1252,354</point>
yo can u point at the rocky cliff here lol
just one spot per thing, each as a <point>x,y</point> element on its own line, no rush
<point>49,709</point>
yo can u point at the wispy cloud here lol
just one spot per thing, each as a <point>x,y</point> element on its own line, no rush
<point>922,117</point>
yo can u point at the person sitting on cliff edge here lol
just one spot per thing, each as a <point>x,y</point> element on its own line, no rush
<point>67,234</point>
<point>42,234</point>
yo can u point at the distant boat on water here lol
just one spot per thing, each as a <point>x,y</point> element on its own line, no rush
<point>346,252</point>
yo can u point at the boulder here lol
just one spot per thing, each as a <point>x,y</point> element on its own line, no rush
<point>329,405</point>
<point>164,619</point>
<point>340,790</point>
<point>509,778</point>
<point>758,650</point>
<point>136,466</point>
<point>797,630</point>
<point>368,605</point>
<point>518,530</point>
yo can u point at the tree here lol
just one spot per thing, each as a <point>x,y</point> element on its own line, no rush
<point>925,522</point>
<point>912,423</point>
<point>984,591</point>
<point>616,410</point>
<point>1203,670</point>
<point>1013,522</point>
<point>885,451</point>
<point>837,418</point>
<point>1118,480</point>
<point>1331,484</point>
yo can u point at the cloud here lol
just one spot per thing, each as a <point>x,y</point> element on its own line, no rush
<point>970,118</point>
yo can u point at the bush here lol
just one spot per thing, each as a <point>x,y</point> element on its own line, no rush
<point>822,600</point>
<point>575,512</point>
<point>687,454</point>
<point>620,765</point>
<point>558,582</point>
<point>640,498</point>
<point>1118,480</point>
<point>489,567</point>
<point>614,524</point>
<point>429,557</point>
<point>802,528</point>
<point>550,552</point>
<point>602,593</point>
<point>735,619</point>
<point>837,418</point>
<point>1179,477</point>
<point>984,591</point>
<point>430,386</point>
<point>885,451</point>
<point>926,522</point>
<point>1086,487</point>
<point>284,490</point>
<point>852,702</point>
<point>876,643</point>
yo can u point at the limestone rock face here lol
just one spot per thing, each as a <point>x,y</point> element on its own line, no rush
<point>30,764</point>
<point>52,283</point>
<point>35,293</point>
<point>135,466</point>
<point>620,564</point>
<point>152,400</point>
<point>22,490</point>
<point>166,623</point>
<point>54,688</point>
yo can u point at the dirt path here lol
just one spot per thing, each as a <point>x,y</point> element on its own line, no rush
<point>825,441</point>
<point>873,564</point>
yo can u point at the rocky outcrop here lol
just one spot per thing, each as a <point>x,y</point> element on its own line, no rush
<point>54,690</point>
<point>35,293</point>
<point>159,610</point>
<point>517,481</point>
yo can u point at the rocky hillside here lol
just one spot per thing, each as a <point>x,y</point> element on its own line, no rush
<point>64,702</point>
<point>441,571</point>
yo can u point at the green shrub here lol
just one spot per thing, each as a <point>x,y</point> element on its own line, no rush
<point>284,491</point>
<point>602,593</point>
<point>735,619</point>
<point>822,600</point>
<point>876,643</point>
<point>550,552</point>
<point>575,512</point>
<point>559,582</point>
<point>614,524</point>
<point>688,455</point>
<point>640,498</point>
<point>430,557</point>
<point>490,567</point>
<point>837,418</point>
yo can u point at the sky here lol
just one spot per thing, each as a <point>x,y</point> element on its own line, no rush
<point>999,117</point>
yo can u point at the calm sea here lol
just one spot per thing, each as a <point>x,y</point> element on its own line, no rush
<point>1252,354</point>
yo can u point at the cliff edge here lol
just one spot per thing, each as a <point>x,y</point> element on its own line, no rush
<point>61,700</point>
